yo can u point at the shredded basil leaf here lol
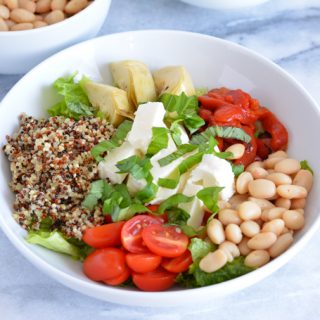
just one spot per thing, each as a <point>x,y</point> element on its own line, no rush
<point>182,108</point>
<point>173,201</point>
<point>210,196</point>
<point>116,141</point>
<point>222,132</point>
<point>181,150</point>
<point>237,169</point>
<point>159,141</point>
<point>305,165</point>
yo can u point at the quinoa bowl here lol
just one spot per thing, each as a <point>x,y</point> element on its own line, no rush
<point>233,66</point>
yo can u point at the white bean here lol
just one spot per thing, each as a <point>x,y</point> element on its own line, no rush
<point>74,6</point>
<point>22,26</point>
<point>278,154</point>
<point>298,203</point>
<point>262,203</point>
<point>291,191</point>
<point>249,210</point>
<point>22,15</point>
<point>288,166</point>
<point>304,178</point>
<point>227,216</point>
<point>293,219</point>
<point>230,249</point>
<point>257,258</point>
<point>237,199</point>
<point>262,241</point>
<point>3,25</point>
<point>283,203</point>
<point>243,182</point>
<point>279,178</point>
<point>213,261</point>
<point>262,189</point>
<point>281,245</point>
<point>271,162</point>
<point>215,231</point>
<point>273,213</point>
<point>250,228</point>
<point>243,246</point>
<point>259,173</point>
<point>253,165</point>
<point>237,151</point>
<point>276,226</point>
<point>4,12</point>
<point>233,233</point>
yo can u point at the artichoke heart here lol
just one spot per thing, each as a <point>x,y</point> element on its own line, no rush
<point>136,79</point>
<point>174,80</point>
<point>111,101</point>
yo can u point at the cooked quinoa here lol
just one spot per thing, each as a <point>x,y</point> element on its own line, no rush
<point>52,169</point>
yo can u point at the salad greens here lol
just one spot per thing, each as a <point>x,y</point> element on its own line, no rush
<point>75,103</point>
<point>305,165</point>
<point>184,109</point>
<point>159,141</point>
<point>210,197</point>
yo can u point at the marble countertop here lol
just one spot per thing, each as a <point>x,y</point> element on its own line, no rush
<point>286,31</point>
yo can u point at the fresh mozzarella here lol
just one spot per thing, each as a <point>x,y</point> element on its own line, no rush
<point>147,116</point>
<point>107,167</point>
<point>214,172</point>
<point>195,207</point>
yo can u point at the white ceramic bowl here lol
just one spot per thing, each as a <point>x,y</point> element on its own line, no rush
<point>22,50</point>
<point>213,63</point>
<point>225,4</point>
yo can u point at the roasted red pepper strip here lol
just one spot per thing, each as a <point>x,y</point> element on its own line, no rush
<point>278,132</point>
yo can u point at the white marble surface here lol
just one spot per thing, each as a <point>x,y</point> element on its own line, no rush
<point>286,31</point>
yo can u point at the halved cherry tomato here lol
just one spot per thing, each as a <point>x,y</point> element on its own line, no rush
<point>157,280</point>
<point>108,235</point>
<point>124,276</point>
<point>178,264</point>
<point>131,234</point>
<point>154,208</point>
<point>104,264</point>
<point>166,241</point>
<point>143,262</point>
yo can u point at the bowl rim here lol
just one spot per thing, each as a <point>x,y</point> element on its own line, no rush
<point>54,26</point>
<point>102,292</point>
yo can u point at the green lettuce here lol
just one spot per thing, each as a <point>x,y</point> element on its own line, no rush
<point>75,103</point>
<point>305,165</point>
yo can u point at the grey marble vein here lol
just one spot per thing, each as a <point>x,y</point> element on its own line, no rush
<point>286,31</point>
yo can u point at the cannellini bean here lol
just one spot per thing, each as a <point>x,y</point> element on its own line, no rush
<point>243,182</point>
<point>262,241</point>
<point>250,228</point>
<point>286,230</point>
<point>237,199</point>
<point>3,25</point>
<point>281,245</point>
<point>279,178</point>
<point>215,231</point>
<point>273,213</point>
<point>298,203</point>
<point>257,258</point>
<point>43,6</point>
<point>276,226</point>
<point>249,210</point>
<point>259,173</point>
<point>54,17</point>
<point>223,204</point>
<point>10,23</point>
<point>39,24</point>
<point>22,26</point>
<point>233,233</point>
<point>290,191</point>
<point>230,249</point>
<point>262,203</point>
<point>11,4</point>
<point>74,6</point>
<point>293,219</point>
<point>271,162</point>
<point>237,151</point>
<point>278,154</point>
<point>283,203</point>
<point>288,166</point>
<point>304,178</point>
<point>300,210</point>
<point>227,216</point>
<point>255,164</point>
<point>262,189</point>
<point>28,5</point>
<point>213,261</point>
<point>243,246</point>
<point>22,15</point>
<point>4,12</point>
<point>58,4</point>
